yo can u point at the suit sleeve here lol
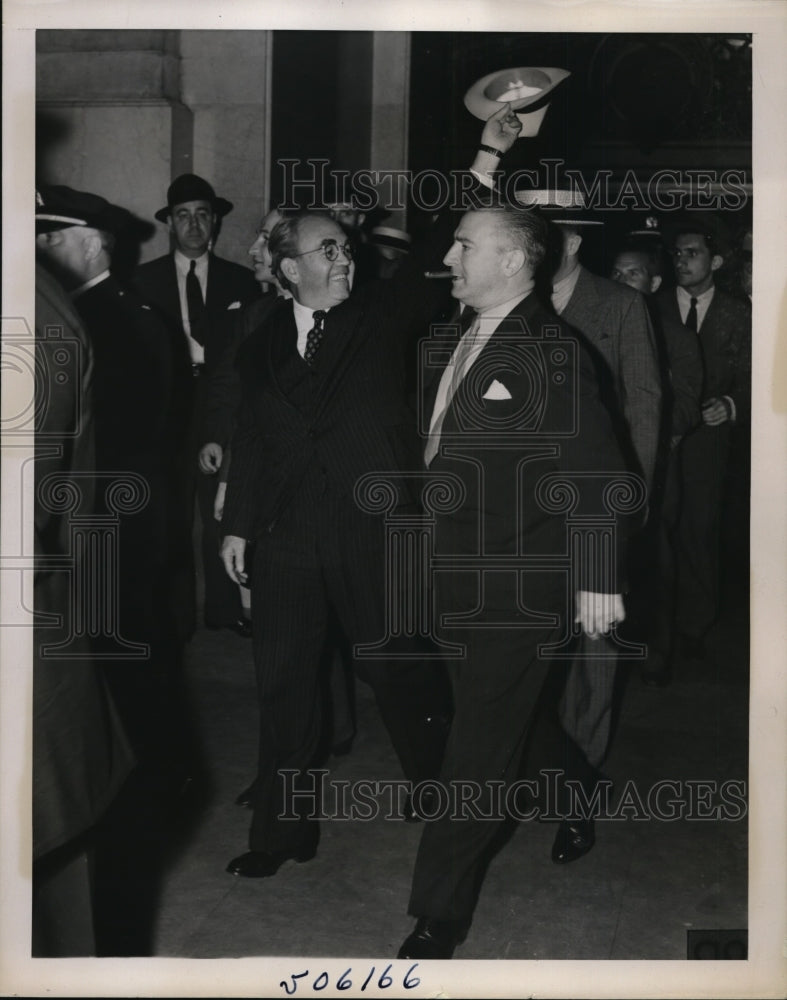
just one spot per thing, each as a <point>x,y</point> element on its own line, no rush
<point>640,384</point>
<point>594,449</point>
<point>224,389</point>
<point>741,346</point>
<point>244,473</point>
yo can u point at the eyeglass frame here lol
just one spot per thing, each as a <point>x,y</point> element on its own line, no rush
<point>325,246</point>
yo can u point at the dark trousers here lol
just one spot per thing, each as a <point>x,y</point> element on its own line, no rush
<point>324,557</point>
<point>189,486</point>
<point>703,464</point>
<point>496,688</point>
<point>586,706</point>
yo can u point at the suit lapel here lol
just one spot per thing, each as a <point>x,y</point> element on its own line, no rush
<point>509,327</point>
<point>671,309</point>
<point>344,334</point>
<point>585,306</point>
<point>170,292</point>
<point>215,285</point>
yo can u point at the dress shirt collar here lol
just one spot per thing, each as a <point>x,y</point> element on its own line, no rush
<point>501,310</point>
<point>183,264</point>
<point>97,279</point>
<point>703,302</point>
<point>564,289</point>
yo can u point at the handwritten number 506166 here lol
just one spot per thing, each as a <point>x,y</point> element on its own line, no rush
<point>344,982</point>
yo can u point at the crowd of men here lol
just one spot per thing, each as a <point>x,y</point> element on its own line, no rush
<point>263,400</point>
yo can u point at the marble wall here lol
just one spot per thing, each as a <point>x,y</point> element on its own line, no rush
<point>124,112</point>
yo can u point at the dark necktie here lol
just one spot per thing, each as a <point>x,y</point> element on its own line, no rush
<point>691,316</point>
<point>196,305</point>
<point>314,336</point>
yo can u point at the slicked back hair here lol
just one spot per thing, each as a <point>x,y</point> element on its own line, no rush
<point>525,228</point>
<point>284,239</point>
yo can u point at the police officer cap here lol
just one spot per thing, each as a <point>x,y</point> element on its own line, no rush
<point>60,207</point>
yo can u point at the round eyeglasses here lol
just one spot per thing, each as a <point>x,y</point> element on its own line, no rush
<point>331,249</point>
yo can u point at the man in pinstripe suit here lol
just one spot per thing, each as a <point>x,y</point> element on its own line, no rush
<point>325,402</point>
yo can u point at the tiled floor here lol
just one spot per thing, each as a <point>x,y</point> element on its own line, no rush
<point>634,896</point>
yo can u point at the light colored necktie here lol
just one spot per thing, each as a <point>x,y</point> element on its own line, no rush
<point>455,371</point>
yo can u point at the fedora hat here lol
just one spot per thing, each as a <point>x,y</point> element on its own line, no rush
<point>525,88</point>
<point>564,206</point>
<point>190,187</point>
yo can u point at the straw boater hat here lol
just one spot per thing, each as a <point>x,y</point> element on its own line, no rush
<point>525,88</point>
<point>564,206</point>
<point>190,187</point>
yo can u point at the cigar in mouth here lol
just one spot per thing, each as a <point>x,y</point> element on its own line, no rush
<point>438,274</point>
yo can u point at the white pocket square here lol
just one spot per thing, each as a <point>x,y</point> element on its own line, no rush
<point>497,391</point>
<point>235,305</point>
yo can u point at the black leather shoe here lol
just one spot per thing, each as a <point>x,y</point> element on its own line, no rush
<point>262,864</point>
<point>245,797</point>
<point>575,837</point>
<point>433,939</point>
<point>244,628</point>
<point>427,800</point>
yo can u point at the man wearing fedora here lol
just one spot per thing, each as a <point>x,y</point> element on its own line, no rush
<point>699,244</point>
<point>198,294</point>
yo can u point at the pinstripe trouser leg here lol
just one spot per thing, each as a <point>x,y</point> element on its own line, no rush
<point>586,706</point>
